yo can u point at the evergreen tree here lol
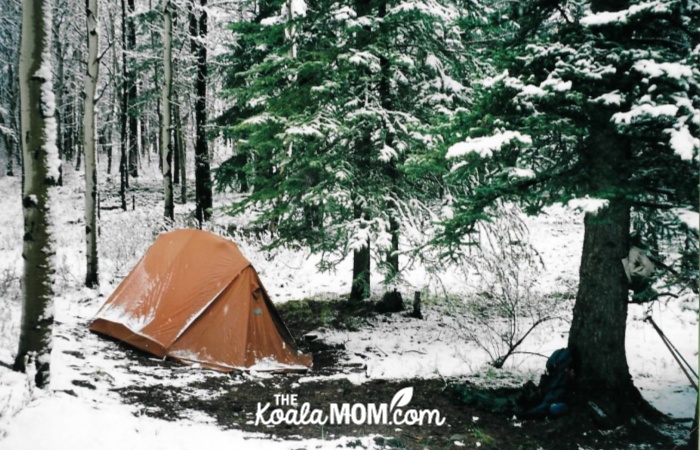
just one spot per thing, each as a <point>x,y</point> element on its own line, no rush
<point>328,115</point>
<point>599,107</point>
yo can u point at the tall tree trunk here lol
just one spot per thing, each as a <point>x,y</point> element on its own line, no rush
<point>113,103</point>
<point>361,263</point>
<point>597,335</point>
<point>79,144</point>
<point>14,118</point>
<point>156,82</point>
<point>40,170</point>
<point>123,169</point>
<point>132,91</point>
<point>9,121</point>
<point>175,136</point>
<point>361,257</point>
<point>68,149</point>
<point>166,144</point>
<point>93,66</point>
<point>60,75</point>
<point>182,147</point>
<point>203,194</point>
<point>142,126</point>
<point>390,169</point>
<point>12,91</point>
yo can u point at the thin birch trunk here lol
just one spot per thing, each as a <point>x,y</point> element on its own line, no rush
<point>93,65</point>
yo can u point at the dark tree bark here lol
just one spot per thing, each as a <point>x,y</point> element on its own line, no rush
<point>132,91</point>
<point>123,169</point>
<point>598,328</point>
<point>157,136</point>
<point>11,123</point>
<point>175,136</point>
<point>166,129</point>
<point>203,193</point>
<point>114,103</point>
<point>105,142</point>
<point>361,263</point>
<point>6,140</point>
<point>390,169</point>
<point>60,77</point>
<point>360,289</point>
<point>597,335</point>
<point>10,54</point>
<point>182,148</point>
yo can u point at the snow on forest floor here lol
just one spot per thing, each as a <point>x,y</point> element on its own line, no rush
<point>83,408</point>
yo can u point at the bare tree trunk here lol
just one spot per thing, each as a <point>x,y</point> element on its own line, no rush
<point>182,148</point>
<point>59,93</point>
<point>175,136</point>
<point>14,148</point>
<point>9,121</point>
<point>203,195</point>
<point>40,170</point>
<point>156,142</point>
<point>390,169</point>
<point>123,169</point>
<point>10,56</point>
<point>68,149</point>
<point>597,335</point>
<point>142,125</point>
<point>93,66</point>
<point>132,90</point>
<point>113,103</point>
<point>166,144</point>
<point>361,273</point>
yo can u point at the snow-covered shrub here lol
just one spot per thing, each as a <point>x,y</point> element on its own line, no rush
<point>507,303</point>
<point>125,237</point>
<point>10,294</point>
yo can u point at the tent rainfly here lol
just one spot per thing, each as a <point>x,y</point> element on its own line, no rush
<point>195,298</point>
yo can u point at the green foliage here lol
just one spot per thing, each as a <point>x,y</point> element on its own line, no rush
<point>331,111</point>
<point>574,79</point>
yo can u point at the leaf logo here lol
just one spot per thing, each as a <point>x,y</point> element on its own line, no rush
<point>401,398</point>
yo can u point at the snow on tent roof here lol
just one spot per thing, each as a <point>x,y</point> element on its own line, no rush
<point>194,297</point>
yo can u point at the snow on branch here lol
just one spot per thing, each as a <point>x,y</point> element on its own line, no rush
<point>690,218</point>
<point>588,205</point>
<point>485,146</point>
<point>611,98</point>
<point>654,69</point>
<point>366,59</point>
<point>624,16</point>
<point>683,143</point>
<point>429,7</point>
<point>303,130</point>
<point>626,118</point>
<point>519,172</point>
<point>260,119</point>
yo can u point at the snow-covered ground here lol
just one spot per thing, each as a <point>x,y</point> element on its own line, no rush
<point>82,410</point>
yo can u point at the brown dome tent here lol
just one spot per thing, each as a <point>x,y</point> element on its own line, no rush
<point>194,297</point>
